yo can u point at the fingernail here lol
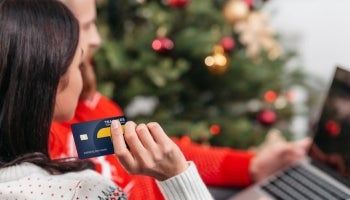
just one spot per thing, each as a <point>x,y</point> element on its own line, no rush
<point>114,124</point>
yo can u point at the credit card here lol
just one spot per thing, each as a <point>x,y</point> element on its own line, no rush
<point>93,138</point>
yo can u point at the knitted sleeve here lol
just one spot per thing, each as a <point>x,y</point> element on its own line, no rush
<point>218,166</point>
<point>186,186</point>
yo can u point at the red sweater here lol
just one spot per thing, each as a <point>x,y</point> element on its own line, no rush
<point>218,166</point>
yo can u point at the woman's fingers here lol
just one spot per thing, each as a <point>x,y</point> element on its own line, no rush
<point>160,137</point>
<point>120,147</point>
<point>146,138</point>
<point>151,152</point>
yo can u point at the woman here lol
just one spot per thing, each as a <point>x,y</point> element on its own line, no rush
<point>228,167</point>
<point>40,82</point>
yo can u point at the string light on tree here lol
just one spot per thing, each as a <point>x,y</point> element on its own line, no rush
<point>291,96</point>
<point>270,96</point>
<point>281,102</point>
<point>218,62</point>
<point>254,105</point>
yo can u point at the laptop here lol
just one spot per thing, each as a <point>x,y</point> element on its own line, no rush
<point>325,173</point>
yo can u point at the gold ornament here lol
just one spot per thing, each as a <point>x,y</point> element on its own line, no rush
<point>218,62</point>
<point>256,35</point>
<point>235,10</point>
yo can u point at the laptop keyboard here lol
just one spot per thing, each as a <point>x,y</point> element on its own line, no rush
<point>298,183</point>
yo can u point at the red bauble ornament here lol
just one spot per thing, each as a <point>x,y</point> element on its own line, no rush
<point>162,45</point>
<point>178,3</point>
<point>333,128</point>
<point>215,129</point>
<point>227,43</point>
<point>267,117</point>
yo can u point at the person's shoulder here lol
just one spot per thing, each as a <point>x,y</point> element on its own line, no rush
<point>98,106</point>
<point>32,182</point>
<point>102,106</point>
<point>92,184</point>
<point>28,181</point>
<point>106,100</point>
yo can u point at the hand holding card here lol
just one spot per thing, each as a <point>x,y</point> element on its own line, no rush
<point>142,149</point>
<point>150,151</point>
<point>93,138</point>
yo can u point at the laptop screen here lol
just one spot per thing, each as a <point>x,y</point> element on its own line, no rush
<point>331,147</point>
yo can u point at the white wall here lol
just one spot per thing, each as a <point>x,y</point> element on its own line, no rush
<point>323,29</point>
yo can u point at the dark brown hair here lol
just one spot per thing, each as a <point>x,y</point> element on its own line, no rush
<point>38,40</point>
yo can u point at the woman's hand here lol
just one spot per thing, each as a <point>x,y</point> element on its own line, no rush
<point>147,150</point>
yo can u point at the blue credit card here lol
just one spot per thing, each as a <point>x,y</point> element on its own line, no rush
<point>93,138</point>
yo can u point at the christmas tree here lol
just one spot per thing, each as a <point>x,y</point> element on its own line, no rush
<point>209,70</point>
